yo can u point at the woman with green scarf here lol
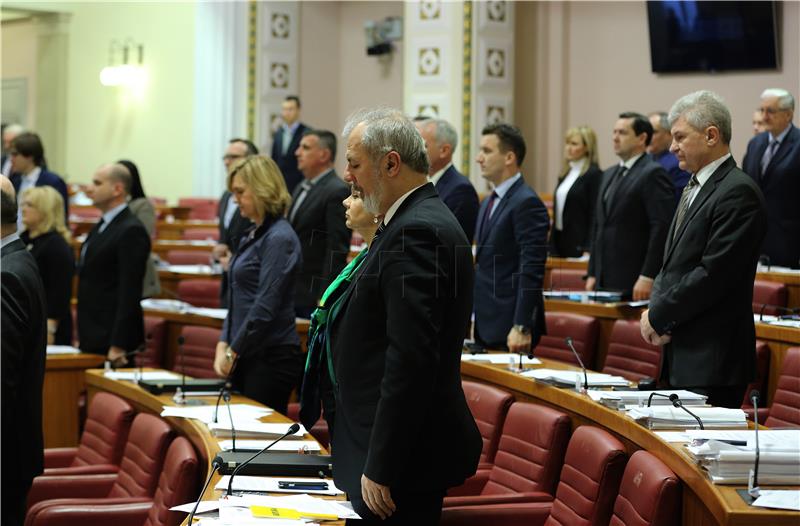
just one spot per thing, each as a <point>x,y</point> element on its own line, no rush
<point>316,392</point>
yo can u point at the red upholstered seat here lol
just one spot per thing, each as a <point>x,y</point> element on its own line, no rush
<point>489,406</point>
<point>155,333</point>
<point>589,483</point>
<point>199,348</point>
<point>177,484</point>
<point>629,355</point>
<point>785,408</point>
<point>104,436</point>
<point>200,234</point>
<point>649,495</point>
<point>188,257</point>
<point>138,473</point>
<point>201,207</point>
<point>582,329</point>
<point>199,292</point>
<point>528,459</point>
<point>760,383</point>
<point>767,295</point>
<point>319,430</point>
<point>567,279</point>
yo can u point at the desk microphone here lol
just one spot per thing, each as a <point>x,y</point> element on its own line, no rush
<point>180,392</point>
<point>650,398</point>
<point>763,259</point>
<point>227,386</point>
<point>753,490</point>
<point>294,428</point>
<point>568,340</point>
<point>676,402</point>
<point>214,468</point>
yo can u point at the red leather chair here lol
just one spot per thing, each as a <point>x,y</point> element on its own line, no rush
<point>155,330</point>
<point>760,383</point>
<point>527,463</point>
<point>567,279</point>
<point>187,257</point>
<point>320,429</point>
<point>200,234</point>
<point>201,207</point>
<point>585,496</point>
<point>199,292</point>
<point>136,479</point>
<point>489,406</point>
<point>650,494</point>
<point>102,442</point>
<point>785,408</point>
<point>629,355</point>
<point>177,485</point>
<point>767,295</point>
<point>582,329</point>
<point>199,348</point>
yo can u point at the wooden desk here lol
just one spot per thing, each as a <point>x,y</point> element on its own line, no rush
<point>169,280</point>
<point>175,229</point>
<point>703,502</point>
<point>563,263</point>
<point>63,385</point>
<point>160,247</point>
<point>792,281</point>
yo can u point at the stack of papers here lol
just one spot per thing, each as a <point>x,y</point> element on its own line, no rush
<point>270,484</point>
<point>137,375</point>
<point>62,349</point>
<point>192,269</point>
<point>562,378</point>
<point>623,399</point>
<point>260,430</point>
<point>779,459</point>
<point>500,358</point>
<point>310,446</point>
<point>242,413</point>
<point>668,417</point>
<point>583,296</point>
<point>165,305</point>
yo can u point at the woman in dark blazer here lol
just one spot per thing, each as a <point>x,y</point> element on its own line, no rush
<point>48,239</point>
<point>576,194</point>
<point>259,346</point>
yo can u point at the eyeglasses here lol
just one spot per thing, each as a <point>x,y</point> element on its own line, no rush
<point>232,157</point>
<point>770,111</point>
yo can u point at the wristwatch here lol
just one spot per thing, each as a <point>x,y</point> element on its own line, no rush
<point>522,329</point>
<point>229,354</point>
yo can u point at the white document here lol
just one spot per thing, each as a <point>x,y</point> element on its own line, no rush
<point>256,445</point>
<point>500,358</point>
<point>781,499</point>
<point>243,414</point>
<point>204,506</point>
<point>303,503</point>
<point>768,439</point>
<point>255,430</point>
<point>640,397</point>
<point>164,304</point>
<point>146,375</point>
<point>191,269</point>
<point>568,378</point>
<point>270,485</point>
<point>62,349</point>
<point>674,436</point>
<point>218,314</point>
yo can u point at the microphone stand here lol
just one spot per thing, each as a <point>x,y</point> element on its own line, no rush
<point>650,398</point>
<point>226,395</point>
<point>294,428</point>
<point>180,393</point>
<point>214,468</point>
<point>676,402</point>
<point>568,340</point>
<point>753,490</point>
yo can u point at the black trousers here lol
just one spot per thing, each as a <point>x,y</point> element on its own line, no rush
<point>269,375</point>
<point>417,508</point>
<point>13,505</point>
<point>730,396</point>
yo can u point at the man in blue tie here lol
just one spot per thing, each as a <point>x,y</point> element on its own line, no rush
<point>286,141</point>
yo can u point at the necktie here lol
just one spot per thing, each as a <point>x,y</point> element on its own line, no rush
<point>306,186</point>
<point>614,184</point>
<point>488,213</point>
<point>287,140</point>
<point>769,153</point>
<point>683,205</point>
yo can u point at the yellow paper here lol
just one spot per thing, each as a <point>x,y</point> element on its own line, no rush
<point>287,513</point>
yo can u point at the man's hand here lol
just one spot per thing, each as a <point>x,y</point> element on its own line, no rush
<point>649,334</point>
<point>590,283</point>
<point>220,250</point>
<point>222,365</point>
<point>642,288</point>
<point>377,497</point>
<point>518,342</point>
<point>116,356</point>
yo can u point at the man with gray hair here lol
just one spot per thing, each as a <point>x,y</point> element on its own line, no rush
<point>659,151</point>
<point>396,335</point>
<point>454,189</point>
<point>701,303</point>
<point>773,161</point>
<point>111,270</point>
<point>10,133</point>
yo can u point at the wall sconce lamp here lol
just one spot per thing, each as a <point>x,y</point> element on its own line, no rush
<point>123,74</point>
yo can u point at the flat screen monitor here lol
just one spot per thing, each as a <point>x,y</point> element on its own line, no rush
<point>712,36</point>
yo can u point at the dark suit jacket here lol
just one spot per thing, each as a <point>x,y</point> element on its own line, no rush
<point>575,237</point>
<point>703,295</point>
<point>47,178</point>
<point>679,177</point>
<point>231,236</point>
<point>629,233</point>
<point>511,251</point>
<point>396,346</point>
<point>460,196</point>
<point>111,272</point>
<point>324,237</point>
<point>288,163</point>
<point>24,338</point>
<point>781,187</point>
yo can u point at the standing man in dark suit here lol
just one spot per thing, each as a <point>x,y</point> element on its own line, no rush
<point>701,306</point>
<point>286,141</point>
<point>231,223</point>
<point>454,189</point>
<point>317,216</point>
<point>111,270</point>
<point>773,161</point>
<point>27,167</point>
<point>659,151</point>
<point>511,247</point>
<point>633,211</point>
<point>24,339</point>
<point>396,336</point>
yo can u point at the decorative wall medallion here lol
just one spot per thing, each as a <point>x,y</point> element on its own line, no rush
<point>429,63</point>
<point>495,114</point>
<point>430,10</point>
<point>428,110</point>
<point>279,25</point>
<point>496,11</point>
<point>279,75</point>
<point>495,63</point>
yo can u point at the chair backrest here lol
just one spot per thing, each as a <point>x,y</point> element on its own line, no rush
<point>762,374</point>
<point>489,406</point>
<point>567,279</point>
<point>200,234</point>
<point>108,423</point>
<point>589,479</point>
<point>629,355</point>
<point>199,348</point>
<point>785,408</point>
<point>767,295</point>
<point>143,457</point>
<point>530,452</point>
<point>649,495</point>
<point>582,329</point>
<point>201,207</point>
<point>155,330</point>
<point>188,257</point>
<point>178,484</point>
<point>199,292</point>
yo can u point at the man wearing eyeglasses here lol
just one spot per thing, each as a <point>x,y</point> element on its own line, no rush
<point>773,161</point>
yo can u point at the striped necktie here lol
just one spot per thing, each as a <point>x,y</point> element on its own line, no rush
<point>683,205</point>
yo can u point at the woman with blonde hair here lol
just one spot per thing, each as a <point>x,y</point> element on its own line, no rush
<point>48,239</point>
<point>576,194</point>
<point>259,347</point>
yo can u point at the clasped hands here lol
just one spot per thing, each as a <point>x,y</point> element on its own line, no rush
<point>222,361</point>
<point>649,333</point>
